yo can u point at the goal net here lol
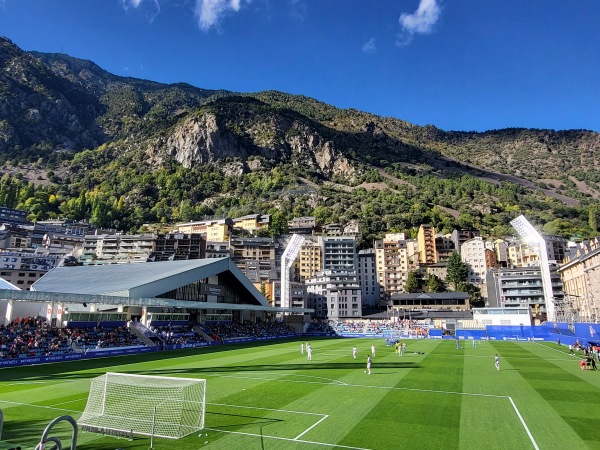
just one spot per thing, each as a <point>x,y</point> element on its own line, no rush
<point>147,405</point>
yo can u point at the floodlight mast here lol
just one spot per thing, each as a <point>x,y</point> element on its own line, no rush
<point>287,261</point>
<point>538,244</point>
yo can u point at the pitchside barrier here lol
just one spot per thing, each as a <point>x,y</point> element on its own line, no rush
<point>549,331</point>
<point>115,351</point>
<point>567,333</point>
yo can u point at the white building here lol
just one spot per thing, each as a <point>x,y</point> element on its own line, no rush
<point>472,253</point>
<point>395,256</point>
<point>502,316</point>
<point>367,277</point>
<point>337,292</point>
<point>339,252</point>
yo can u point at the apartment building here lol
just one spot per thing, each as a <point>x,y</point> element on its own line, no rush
<point>310,258</point>
<point>117,248</point>
<point>339,252</point>
<point>216,230</point>
<point>395,256</point>
<point>580,275</point>
<point>252,222</point>
<point>13,237</point>
<point>66,227</point>
<point>501,250</point>
<point>257,258</point>
<point>459,237</point>
<point>298,294</point>
<point>367,277</point>
<point>426,242</point>
<point>491,259</point>
<point>13,216</point>
<point>217,249</point>
<point>337,294</point>
<point>521,254</point>
<point>22,269</point>
<point>302,225</point>
<point>473,254</point>
<point>521,287</point>
<point>176,246</point>
<point>444,246</point>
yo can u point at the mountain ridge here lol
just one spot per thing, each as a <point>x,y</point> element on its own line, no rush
<point>66,121</point>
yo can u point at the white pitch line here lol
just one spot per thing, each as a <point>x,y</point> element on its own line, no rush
<point>556,350</point>
<point>286,381</point>
<point>268,409</point>
<point>367,386</point>
<point>432,391</point>
<point>512,357</point>
<point>310,428</point>
<point>304,376</point>
<point>524,424</point>
<point>286,439</point>
<point>70,401</point>
<point>323,416</point>
<point>39,406</point>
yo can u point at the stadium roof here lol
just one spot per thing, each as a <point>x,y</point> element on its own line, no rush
<point>142,283</point>
<point>137,280</point>
<point>6,285</point>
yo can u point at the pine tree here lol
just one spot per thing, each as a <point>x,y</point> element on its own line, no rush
<point>435,284</point>
<point>457,271</point>
<point>412,282</point>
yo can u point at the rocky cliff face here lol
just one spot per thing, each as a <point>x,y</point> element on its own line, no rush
<point>210,138</point>
<point>197,140</point>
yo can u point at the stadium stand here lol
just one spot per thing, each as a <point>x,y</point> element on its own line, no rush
<point>30,337</point>
<point>232,330</point>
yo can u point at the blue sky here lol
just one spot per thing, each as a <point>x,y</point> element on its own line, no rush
<point>470,65</point>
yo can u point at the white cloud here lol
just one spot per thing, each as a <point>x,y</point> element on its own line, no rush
<point>299,10</point>
<point>151,12</point>
<point>209,12</point>
<point>131,3</point>
<point>369,46</point>
<point>421,21</point>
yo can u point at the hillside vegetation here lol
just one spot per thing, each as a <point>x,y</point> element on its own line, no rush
<point>79,142</point>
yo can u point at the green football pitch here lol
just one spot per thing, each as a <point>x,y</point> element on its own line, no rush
<point>268,396</point>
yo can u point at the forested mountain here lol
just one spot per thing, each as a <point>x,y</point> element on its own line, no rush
<point>79,142</point>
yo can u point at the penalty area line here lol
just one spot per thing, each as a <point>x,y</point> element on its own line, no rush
<point>323,416</point>
<point>524,424</point>
<point>311,427</point>
<point>39,406</point>
<point>323,444</point>
<point>267,409</point>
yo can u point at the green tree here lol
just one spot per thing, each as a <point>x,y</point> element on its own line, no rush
<point>434,284</point>
<point>412,282</point>
<point>593,219</point>
<point>277,224</point>
<point>457,271</point>
<point>263,290</point>
<point>475,298</point>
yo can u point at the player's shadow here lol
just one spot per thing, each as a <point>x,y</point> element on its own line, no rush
<point>309,366</point>
<point>250,420</point>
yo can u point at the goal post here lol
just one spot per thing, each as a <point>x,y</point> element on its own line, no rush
<point>149,405</point>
